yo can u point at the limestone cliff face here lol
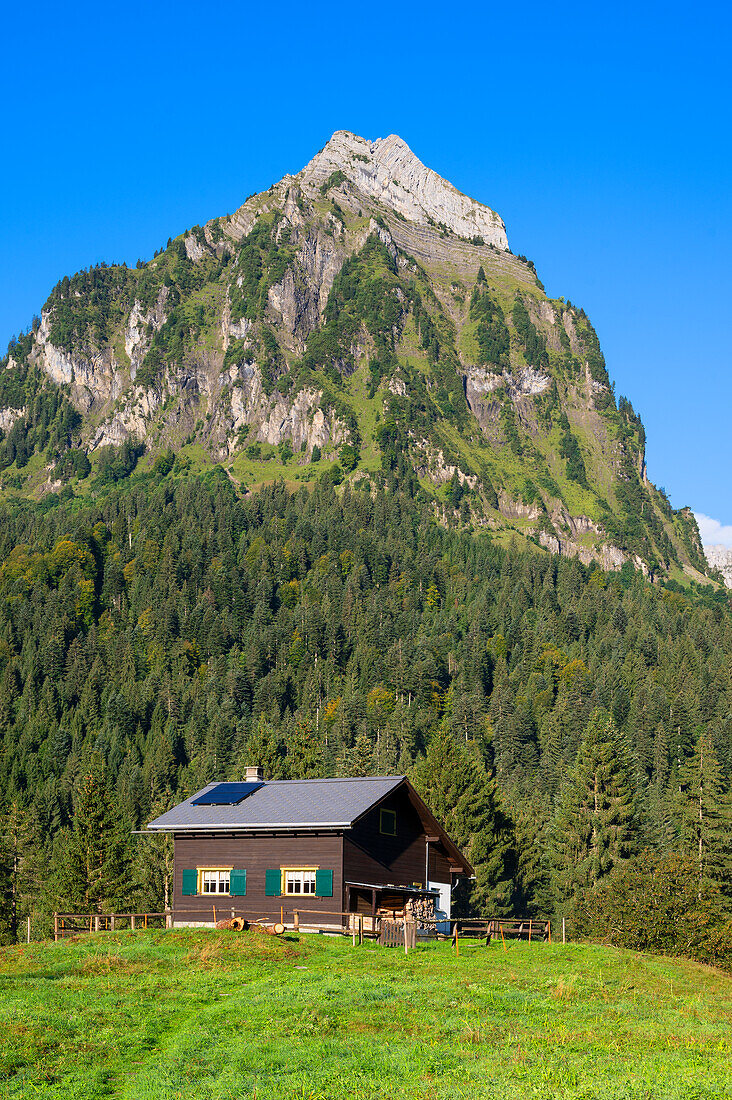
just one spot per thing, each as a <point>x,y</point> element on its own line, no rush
<point>91,374</point>
<point>720,557</point>
<point>299,299</point>
<point>364,302</point>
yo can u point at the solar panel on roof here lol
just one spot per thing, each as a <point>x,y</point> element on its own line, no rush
<point>226,794</point>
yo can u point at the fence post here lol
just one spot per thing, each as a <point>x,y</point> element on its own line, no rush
<point>360,930</point>
<point>28,939</point>
<point>530,924</point>
<point>132,922</point>
<point>111,921</point>
<point>55,927</point>
<point>503,937</point>
<point>296,920</point>
<point>406,946</point>
<point>96,923</point>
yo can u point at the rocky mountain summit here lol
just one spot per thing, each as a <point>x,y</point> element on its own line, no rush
<point>387,170</point>
<point>360,320</point>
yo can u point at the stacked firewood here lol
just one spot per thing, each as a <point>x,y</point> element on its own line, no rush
<point>420,910</point>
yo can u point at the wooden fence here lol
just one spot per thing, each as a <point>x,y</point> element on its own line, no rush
<point>358,925</point>
<point>531,929</point>
<point>75,924</point>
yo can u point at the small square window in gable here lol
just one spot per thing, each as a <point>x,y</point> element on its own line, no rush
<point>387,822</point>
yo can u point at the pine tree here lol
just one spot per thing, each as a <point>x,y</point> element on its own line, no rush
<point>533,874</point>
<point>19,851</point>
<point>706,815</point>
<point>306,756</point>
<point>454,782</point>
<point>93,858</point>
<point>594,827</point>
<point>263,748</point>
<point>152,864</point>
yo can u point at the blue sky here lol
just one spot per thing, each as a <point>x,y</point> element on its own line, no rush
<point>601,134</point>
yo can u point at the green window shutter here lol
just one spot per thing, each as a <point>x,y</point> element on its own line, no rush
<point>324,884</point>
<point>238,883</point>
<point>190,882</point>
<point>272,883</point>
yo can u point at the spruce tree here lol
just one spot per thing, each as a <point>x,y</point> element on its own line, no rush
<point>594,827</point>
<point>20,856</point>
<point>263,748</point>
<point>152,863</point>
<point>706,816</point>
<point>93,858</point>
<point>454,782</point>
<point>533,896</point>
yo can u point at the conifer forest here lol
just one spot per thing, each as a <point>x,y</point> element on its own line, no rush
<point>572,727</point>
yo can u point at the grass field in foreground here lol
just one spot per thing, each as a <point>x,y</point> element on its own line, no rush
<point>227,1016</point>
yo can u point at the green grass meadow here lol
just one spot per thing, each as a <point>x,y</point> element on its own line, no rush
<point>227,1016</point>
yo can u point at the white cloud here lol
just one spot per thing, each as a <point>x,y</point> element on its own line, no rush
<point>713,533</point>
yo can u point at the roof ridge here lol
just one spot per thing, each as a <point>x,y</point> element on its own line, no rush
<point>323,779</point>
<point>339,779</point>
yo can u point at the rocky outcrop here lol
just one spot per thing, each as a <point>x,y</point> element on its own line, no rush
<point>517,509</point>
<point>92,375</point>
<point>482,388</point>
<point>432,464</point>
<point>9,416</point>
<point>140,328</point>
<point>720,557</point>
<point>610,558</point>
<point>303,421</point>
<point>194,249</point>
<point>300,298</point>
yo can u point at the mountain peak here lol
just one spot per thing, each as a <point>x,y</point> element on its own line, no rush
<point>386,169</point>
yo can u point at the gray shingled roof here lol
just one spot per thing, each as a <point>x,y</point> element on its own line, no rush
<point>284,804</point>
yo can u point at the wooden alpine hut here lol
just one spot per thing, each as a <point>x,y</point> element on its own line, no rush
<point>325,847</point>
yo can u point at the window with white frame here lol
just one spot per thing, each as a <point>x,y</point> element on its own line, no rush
<point>214,880</point>
<point>298,880</point>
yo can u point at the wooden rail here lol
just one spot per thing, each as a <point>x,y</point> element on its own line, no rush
<point>75,924</point>
<point>536,929</point>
